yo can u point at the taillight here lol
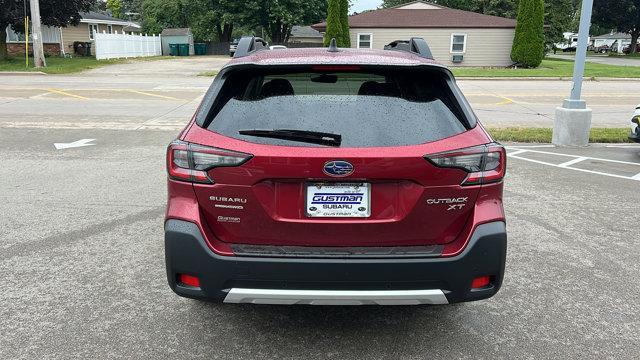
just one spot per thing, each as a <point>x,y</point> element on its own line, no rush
<point>484,164</point>
<point>190,162</point>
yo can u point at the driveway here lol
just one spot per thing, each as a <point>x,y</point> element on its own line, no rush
<point>599,59</point>
<point>178,66</point>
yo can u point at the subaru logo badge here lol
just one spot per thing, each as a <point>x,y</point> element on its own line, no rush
<point>338,168</point>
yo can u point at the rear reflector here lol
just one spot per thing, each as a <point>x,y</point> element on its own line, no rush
<point>189,280</point>
<point>190,162</point>
<point>481,282</point>
<point>485,164</point>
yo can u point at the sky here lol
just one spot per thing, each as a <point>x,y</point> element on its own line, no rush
<point>361,5</point>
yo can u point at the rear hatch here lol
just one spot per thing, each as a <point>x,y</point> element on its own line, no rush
<point>333,157</point>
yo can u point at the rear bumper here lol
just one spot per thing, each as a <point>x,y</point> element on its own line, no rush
<point>334,281</point>
<point>634,137</point>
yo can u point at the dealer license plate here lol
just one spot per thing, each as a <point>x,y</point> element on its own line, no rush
<point>351,200</point>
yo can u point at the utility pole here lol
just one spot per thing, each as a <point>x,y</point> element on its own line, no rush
<point>38,50</point>
<point>572,124</point>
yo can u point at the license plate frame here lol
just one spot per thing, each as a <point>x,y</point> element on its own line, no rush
<point>351,197</point>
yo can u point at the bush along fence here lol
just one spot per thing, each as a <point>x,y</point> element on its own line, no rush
<point>114,46</point>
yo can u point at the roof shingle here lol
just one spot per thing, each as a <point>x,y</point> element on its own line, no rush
<point>424,18</point>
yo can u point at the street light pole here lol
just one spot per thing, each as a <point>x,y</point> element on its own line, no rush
<point>572,124</point>
<point>38,50</point>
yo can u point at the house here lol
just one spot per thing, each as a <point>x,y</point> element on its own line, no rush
<point>305,35</point>
<point>456,37</point>
<point>59,41</point>
<point>93,22</point>
<point>176,36</point>
<point>50,38</point>
<point>610,39</point>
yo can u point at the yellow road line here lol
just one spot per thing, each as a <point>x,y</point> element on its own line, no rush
<point>155,95</point>
<point>56,91</point>
<point>506,101</point>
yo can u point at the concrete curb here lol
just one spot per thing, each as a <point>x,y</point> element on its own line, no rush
<point>13,73</point>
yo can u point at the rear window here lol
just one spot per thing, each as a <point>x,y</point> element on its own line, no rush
<point>366,108</point>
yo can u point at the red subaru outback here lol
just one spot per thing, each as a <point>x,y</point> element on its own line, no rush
<point>335,176</point>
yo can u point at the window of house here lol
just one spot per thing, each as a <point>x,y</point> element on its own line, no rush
<point>110,29</point>
<point>365,41</point>
<point>458,43</point>
<point>92,28</point>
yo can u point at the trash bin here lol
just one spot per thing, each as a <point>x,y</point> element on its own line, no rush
<point>200,48</point>
<point>173,49</point>
<point>82,48</point>
<point>183,49</point>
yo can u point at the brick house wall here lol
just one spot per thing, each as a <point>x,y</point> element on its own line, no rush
<point>16,49</point>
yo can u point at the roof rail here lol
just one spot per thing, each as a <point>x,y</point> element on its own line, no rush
<point>415,45</point>
<point>332,46</point>
<point>248,45</point>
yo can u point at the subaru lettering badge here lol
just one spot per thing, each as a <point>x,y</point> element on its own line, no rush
<point>338,168</point>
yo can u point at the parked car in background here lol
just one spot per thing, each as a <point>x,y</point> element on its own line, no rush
<point>602,49</point>
<point>627,49</point>
<point>635,126</point>
<point>329,176</point>
<point>233,46</point>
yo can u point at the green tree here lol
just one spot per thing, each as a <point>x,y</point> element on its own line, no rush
<point>132,6</point>
<point>277,18</point>
<point>52,12</point>
<point>344,21</point>
<point>161,14</point>
<point>393,3</point>
<point>208,19</point>
<point>558,16</point>
<point>623,15</point>
<point>334,27</point>
<point>115,6</point>
<point>528,44</point>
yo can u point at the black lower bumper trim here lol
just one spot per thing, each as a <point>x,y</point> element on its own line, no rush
<point>338,252</point>
<point>187,253</point>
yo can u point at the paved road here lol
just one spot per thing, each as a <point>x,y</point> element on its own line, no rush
<point>598,59</point>
<point>164,94</point>
<point>81,252</point>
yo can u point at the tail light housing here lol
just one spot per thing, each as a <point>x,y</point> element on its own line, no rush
<point>191,162</point>
<point>484,164</point>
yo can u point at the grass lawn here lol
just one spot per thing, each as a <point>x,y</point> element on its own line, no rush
<point>59,65</point>
<point>209,73</point>
<point>635,56</point>
<point>543,135</point>
<point>552,68</point>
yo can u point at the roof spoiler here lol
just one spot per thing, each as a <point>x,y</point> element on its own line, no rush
<point>415,45</point>
<point>248,45</point>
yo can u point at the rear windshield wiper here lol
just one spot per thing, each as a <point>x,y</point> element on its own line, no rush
<point>312,137</point>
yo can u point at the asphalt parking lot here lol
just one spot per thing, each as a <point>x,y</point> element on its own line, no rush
<point>82,258</point>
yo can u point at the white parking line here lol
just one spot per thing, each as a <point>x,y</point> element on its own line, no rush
<point>516,152</point>
<point>576,159</point>
<point>531,146</point>
<point>624,146</point>
<point>573,156</point>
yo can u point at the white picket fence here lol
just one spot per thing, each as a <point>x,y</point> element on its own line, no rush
<point>113,46</point>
